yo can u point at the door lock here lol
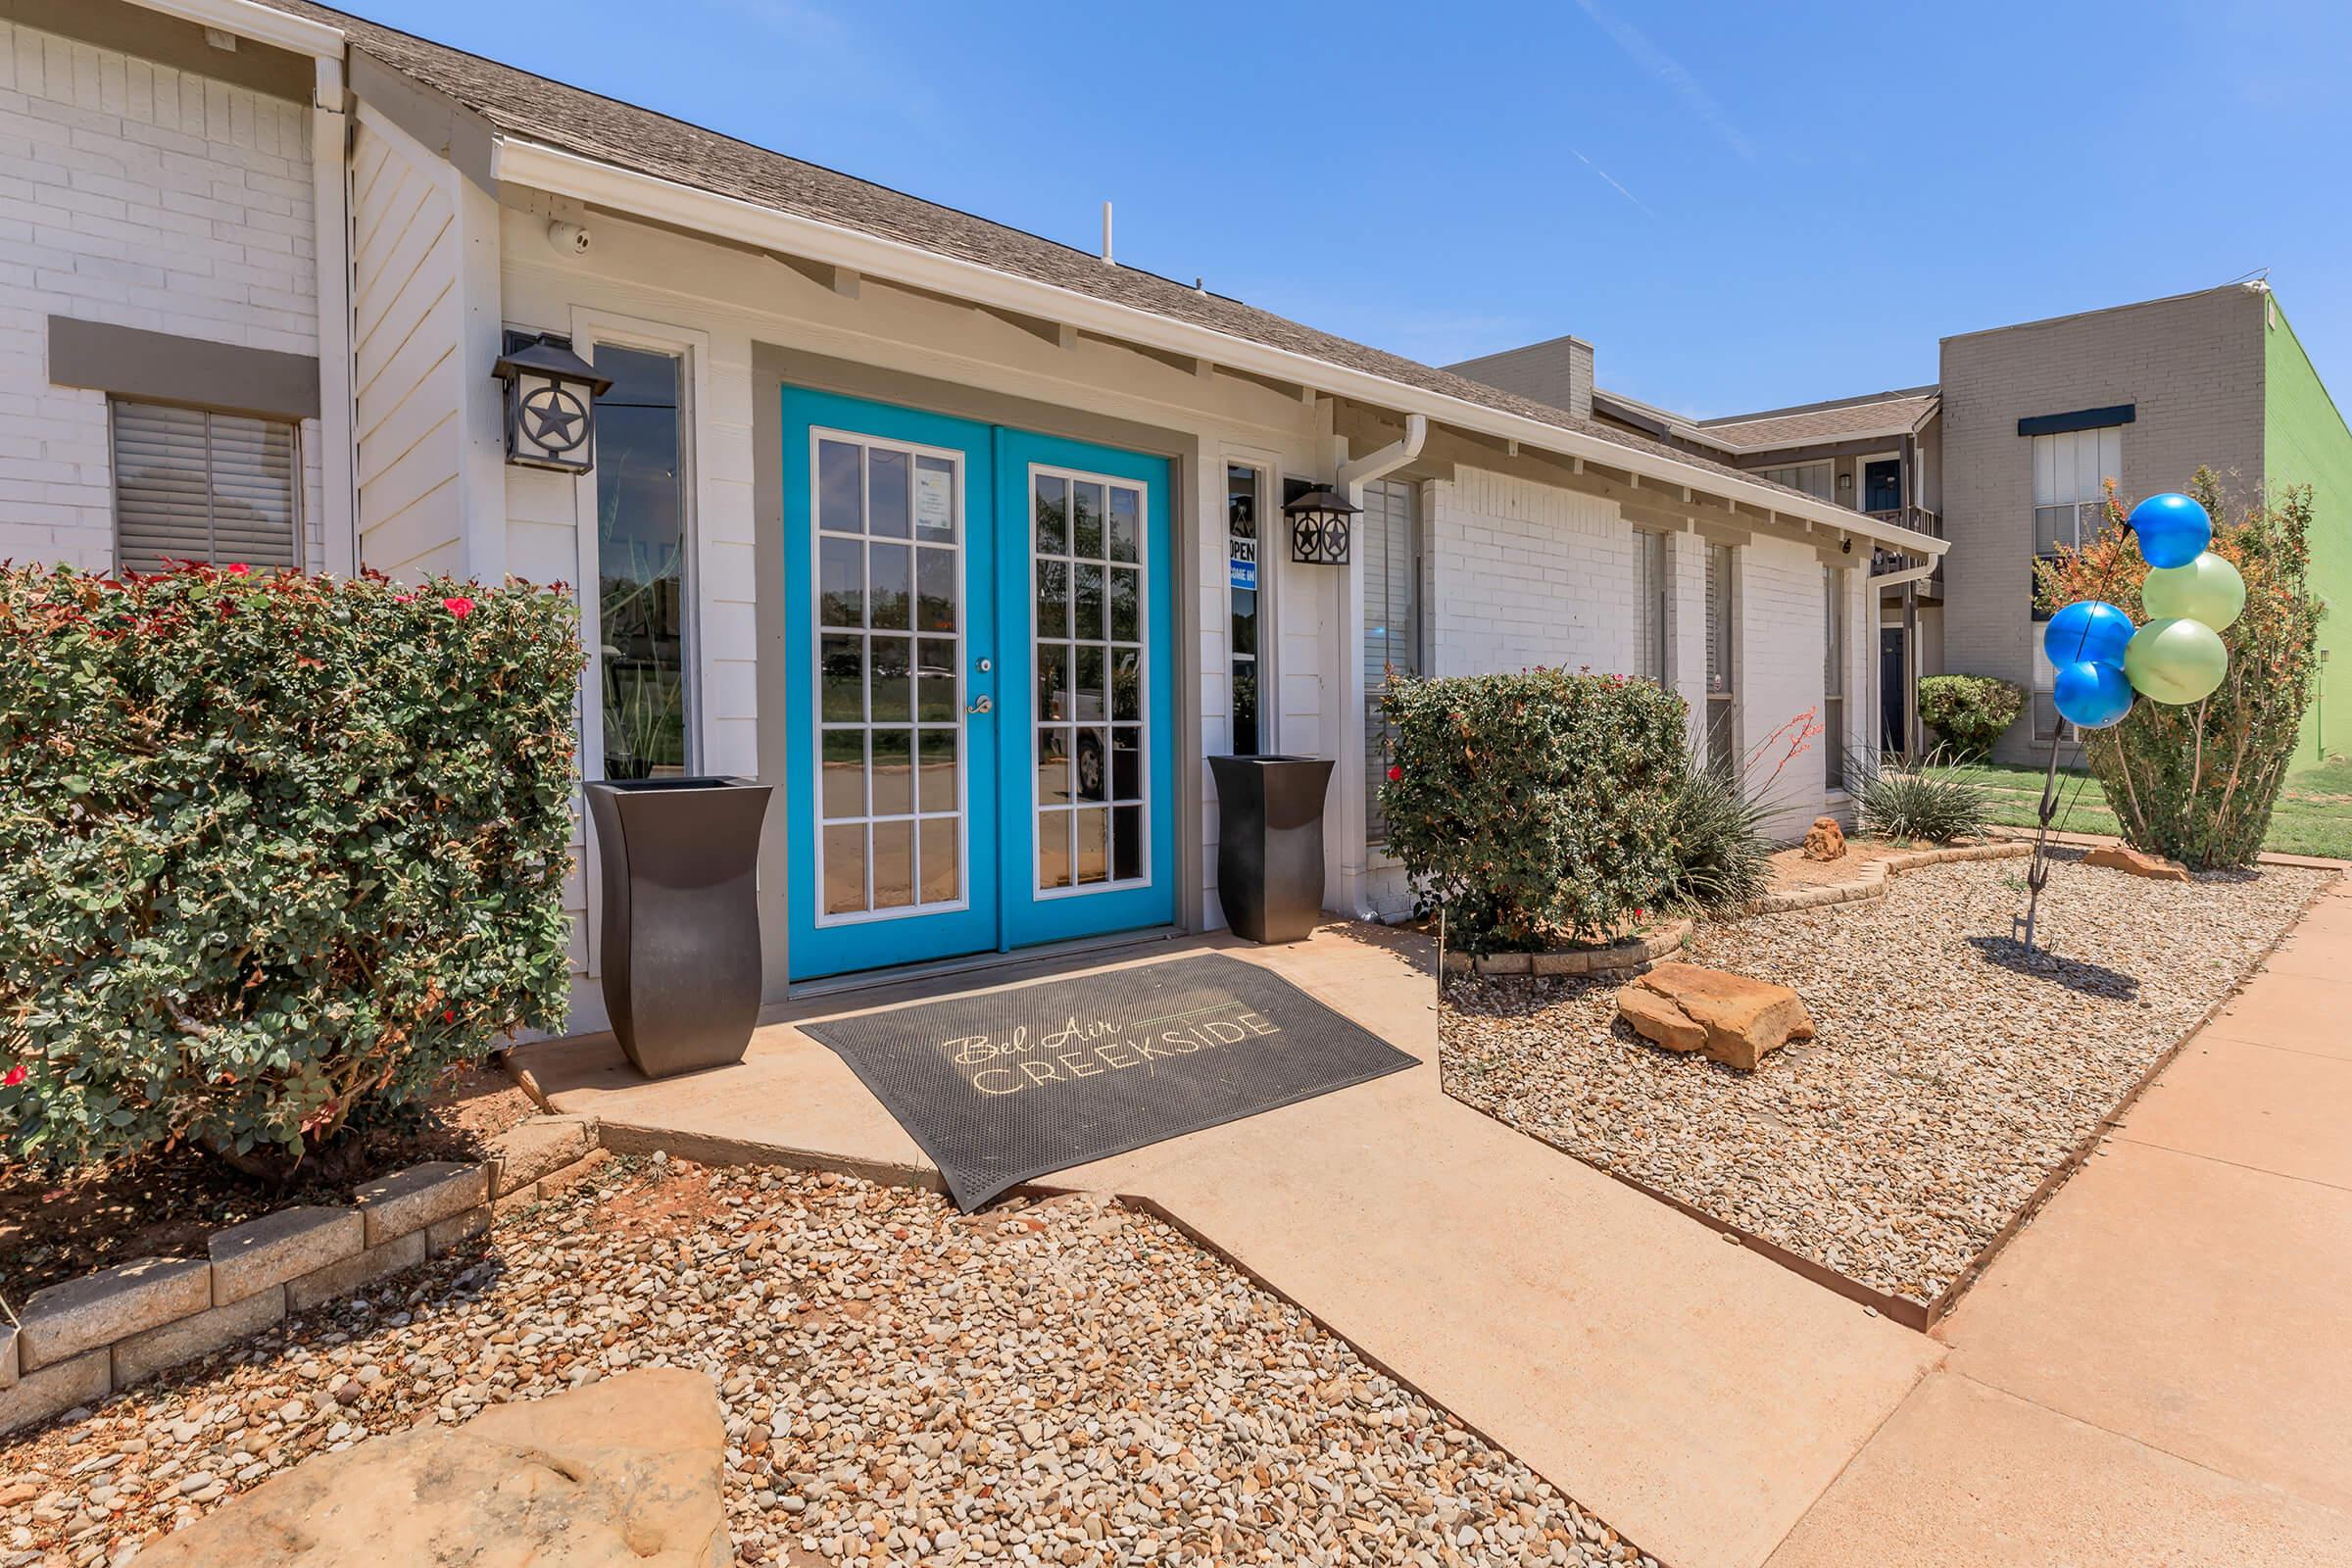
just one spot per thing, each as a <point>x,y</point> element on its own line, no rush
<point>985,666</point>
<point>981,706</point>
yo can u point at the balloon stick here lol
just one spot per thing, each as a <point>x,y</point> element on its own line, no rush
<point>2038,874</point>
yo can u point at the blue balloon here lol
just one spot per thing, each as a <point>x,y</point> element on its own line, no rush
<point>2090,628</point>
<point>2092,694</point>
<point>2173,529</point>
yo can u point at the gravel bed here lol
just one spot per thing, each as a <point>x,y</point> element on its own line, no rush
<point>1069,1383</point>
<point>1951,1076</point>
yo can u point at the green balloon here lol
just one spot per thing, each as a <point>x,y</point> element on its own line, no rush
<point>2207,589</point>
<point>2176,661</point>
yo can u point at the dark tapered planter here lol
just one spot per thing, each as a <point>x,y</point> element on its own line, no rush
<point>680,950</point>
<point>1270,844</point>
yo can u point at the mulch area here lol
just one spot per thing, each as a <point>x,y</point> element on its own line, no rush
<point>57,1227</point>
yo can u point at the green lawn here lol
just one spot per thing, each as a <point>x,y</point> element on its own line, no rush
<point>2314,815</point>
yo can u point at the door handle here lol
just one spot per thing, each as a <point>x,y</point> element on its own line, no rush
<point>981,706</point>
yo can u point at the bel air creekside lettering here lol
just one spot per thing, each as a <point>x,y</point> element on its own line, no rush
<point>1078,1051</point>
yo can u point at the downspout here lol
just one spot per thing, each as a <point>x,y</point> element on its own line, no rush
<point>330,206</point>
<point>1354,855</point>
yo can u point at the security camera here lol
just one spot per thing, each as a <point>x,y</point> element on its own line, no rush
<point>570,238</point>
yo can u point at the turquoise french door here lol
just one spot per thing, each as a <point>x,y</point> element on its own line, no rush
<point>979,634</point>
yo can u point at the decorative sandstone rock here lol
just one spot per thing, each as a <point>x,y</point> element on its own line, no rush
<point>1825,840</point>
<point>621,1474</point>
<point>2123,858</point>
<point>1732,1019</point>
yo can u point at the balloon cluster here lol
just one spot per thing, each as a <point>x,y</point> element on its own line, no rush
<point>2191,594</point>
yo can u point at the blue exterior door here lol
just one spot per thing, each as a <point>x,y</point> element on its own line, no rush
<point>978,640</point>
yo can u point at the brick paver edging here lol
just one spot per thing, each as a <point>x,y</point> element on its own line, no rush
<point>81,1340</point>
<point>1632,955</point>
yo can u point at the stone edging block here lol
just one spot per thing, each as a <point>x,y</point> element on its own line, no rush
<point>1632,955</point>
<point>61,1321</point>
<point>253,1257</point>
<point>417,1197</point>
<point>79,1339</point>
<point>1870,882</point>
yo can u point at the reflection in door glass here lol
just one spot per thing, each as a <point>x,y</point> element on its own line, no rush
<point>1088,549</point>
<point>890,703</point>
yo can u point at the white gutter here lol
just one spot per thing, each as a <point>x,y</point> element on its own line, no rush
<point>246,19</point>
<point>1896,580</point>
<point>699,210</point>
<point>1389,459</point>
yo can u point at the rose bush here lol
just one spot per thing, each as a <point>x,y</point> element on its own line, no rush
<point>272,848</point>
<point>1536,804</point>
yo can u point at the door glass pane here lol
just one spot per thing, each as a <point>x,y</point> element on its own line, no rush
<point>1093,683</point>
<point>935,590</point>
<point>891,686</point>
<point>894,772</point>
<point>1094,847</point>
<point>640,553</point>
<point>845,868</point>
<point>840,487</point>
<point>938,788</point>
<point>841,582</point>
<point>893,864</point>
<point>892,603</point>
<point>844,784</point>
<point>934,688</point>
<point>935,500</point>
<point>890,706</point>
<point>1054,850</point>
<point>841,680</point>
<point>942,857</point>
<point>886,493</point>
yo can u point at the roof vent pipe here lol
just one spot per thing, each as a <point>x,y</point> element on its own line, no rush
<point>1107,261</point>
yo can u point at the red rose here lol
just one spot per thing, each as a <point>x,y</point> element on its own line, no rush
<point>237,569</point>
<point>449,1015</point>
<point>460,606</point>
<point>1395,775</point>
<point>13,1077</point>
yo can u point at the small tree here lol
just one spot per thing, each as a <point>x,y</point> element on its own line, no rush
<point>1969,712</point>
<point>2198,783</point>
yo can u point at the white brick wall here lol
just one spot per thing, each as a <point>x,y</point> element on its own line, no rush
<point>1782,624</point>
<point>1526,575</point>
<point>142,196</point>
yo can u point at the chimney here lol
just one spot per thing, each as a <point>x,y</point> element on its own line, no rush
<point>1557,372</point>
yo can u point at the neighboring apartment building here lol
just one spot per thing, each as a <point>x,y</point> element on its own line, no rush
<point>2007,457</point>
<point>969,542</point>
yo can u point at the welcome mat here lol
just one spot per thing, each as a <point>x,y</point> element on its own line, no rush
<point>1007,1085</point>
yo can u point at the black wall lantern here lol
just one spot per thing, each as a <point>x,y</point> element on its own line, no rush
<point>1319,527</point>
<point>550,403</point>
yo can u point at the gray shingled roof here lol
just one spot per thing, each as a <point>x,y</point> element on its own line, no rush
<point>536,108</point>
<point>1881,414</point>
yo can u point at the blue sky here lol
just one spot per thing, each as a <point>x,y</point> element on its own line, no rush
<point>1741,205</point>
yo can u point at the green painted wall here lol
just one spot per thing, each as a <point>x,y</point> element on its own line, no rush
<point>2305,441</point>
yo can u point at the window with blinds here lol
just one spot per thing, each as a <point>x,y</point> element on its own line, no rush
<point>1390,541</point>
<point>194,486</point>
<point>1833,679</point>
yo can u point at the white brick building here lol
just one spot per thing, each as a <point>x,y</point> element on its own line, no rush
<point>280,249</point>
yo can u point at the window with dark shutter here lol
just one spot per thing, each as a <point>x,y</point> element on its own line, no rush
<point>193,485</point>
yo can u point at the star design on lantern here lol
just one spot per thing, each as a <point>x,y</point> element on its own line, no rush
<point>555,418</point>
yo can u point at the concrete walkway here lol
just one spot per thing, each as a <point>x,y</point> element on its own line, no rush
<point>2157,1371</point>
<point>1693,1394</point>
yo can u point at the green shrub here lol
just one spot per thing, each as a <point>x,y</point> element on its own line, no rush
<point>1921,802</point>
<point>1722,861</point>
<point>1533,804</point>
<point>271,849</point>
<point>2198,784</point>
<point>1969,712</point>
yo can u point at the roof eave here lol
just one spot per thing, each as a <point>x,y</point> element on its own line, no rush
<point>567,174</point>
